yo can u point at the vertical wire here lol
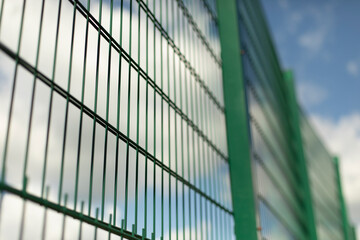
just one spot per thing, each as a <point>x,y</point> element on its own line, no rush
<point>227,223</point>
<point>81,222</point>
<point>1,12</point>
<point>118,117</point>
<point>81,107</point>
<point>193,94</point>
<point>162,127</point>
<point>222,187</point>
<point>206,173</point>
<point>23,213</point>
<point>12,95</point>
<point>106,118</point>
<point>137,125</point>
<point>154,170</point>
<point>191,83</point>
<point>96,219</point>
<point>169,134</point>
<point>200,167</point>
<point>28,138</point>
<point>217,192</point>
<point>43,232</point>
<point>95,111</point>
<point>187,48</point>
<point>51,91</point>
<point>212,192</point>
<point>206,157</point>
<point>67,105</point>
<point>128,122</point>
<point>109,233</point>
<point>64,219</point>
<point>181,127</point>
<point>207,185</point>
<point>201,146</point>
<point>175,120</point>
<point>209,169</point>
<point>146,120</point>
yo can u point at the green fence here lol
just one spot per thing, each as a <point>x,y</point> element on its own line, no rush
<point>280,201</point>
<point>114,124</point>
<point>328,201</point>
<point>109,120</point>
<point>286,180</point>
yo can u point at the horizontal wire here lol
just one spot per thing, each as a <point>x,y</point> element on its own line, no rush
<point>105,124</point>
<point>271,149</point>
<point>210,11</point>
<point>262,71</point>
<point>275,69</point>
<point>143,73</point>
<point>294,210</point>
<point>275,128</point>
<point>277,215</point>
<point>72,213</point>
<point>197,30</point>
<point>182,57</point>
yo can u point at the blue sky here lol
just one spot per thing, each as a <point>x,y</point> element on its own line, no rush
<point>319,41</point>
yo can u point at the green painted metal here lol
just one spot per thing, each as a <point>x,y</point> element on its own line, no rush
<point>237,123</point>
<point>342,201</point>
<point>136,113</point>
<point>278,197</point>
<point>294,117</point>
<point>323,184</point>
<point>353,233</point>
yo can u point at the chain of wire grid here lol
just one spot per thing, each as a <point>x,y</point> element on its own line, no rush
<point>97,119</point>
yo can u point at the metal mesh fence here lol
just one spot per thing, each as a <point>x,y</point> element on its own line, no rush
<point>277,146</point>
<point>112,125</point>
<point>280,204</point>
<point>112,121</point>
<point>324,188</point>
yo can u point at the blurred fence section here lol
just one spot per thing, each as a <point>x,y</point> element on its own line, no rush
<point>297,182</point>
<point>328,201</point>
<point>280,203</point>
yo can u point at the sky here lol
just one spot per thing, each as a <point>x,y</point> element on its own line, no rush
<point>319,41</point>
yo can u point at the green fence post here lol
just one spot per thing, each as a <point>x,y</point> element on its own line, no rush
<point>342,201</point>
<point>242,187</point>
<point>353,233</point>
<point>297,139</point>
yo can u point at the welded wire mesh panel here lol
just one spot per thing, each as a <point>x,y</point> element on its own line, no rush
<point>324,187</point>
<point>279,198</point>
<point>112,121</point>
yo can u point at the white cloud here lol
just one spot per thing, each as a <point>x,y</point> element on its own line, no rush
<point>352,68</point>
<point>313,40</point>
<point>343,138</point>
<point>315,37</point>
<point>311,94</point>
